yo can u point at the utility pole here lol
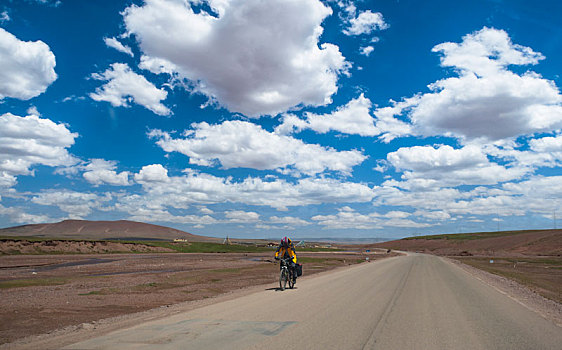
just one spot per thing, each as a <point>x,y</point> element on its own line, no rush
<point>554,218</point>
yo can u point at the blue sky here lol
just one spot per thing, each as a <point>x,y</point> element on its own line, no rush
<point>267,118</point>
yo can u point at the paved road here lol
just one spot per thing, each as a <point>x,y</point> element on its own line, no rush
<point>410,302</point>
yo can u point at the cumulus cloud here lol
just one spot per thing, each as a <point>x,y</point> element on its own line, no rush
<point>288,221</point>
<point>206,210</point>
<point>28,67</point>
<point>148,215</point>
<point>154,209</point>
<point>152,173</point>
<point>486,52</point>
<point>347,218</point>
<point>435,215</point>
<point>100,171</point>
<point>366,51</point>
<point>123,86</point>
<point>541,152</point>
<point>253,57</point>
<point>353,118</point>
<point>117,45</point>
<point>240,144</point>
<point>539,194</point>
<point>18,216</point>
<point>31,140</point>
<point>547,144</point>
<point>388,126</point>
<point>201,189</point>
<point>77,205</point>
<point>451,167</point>
<point>4,17</point>
<point>240,216</point>
<point>366,23</point>
<point>486,101</point>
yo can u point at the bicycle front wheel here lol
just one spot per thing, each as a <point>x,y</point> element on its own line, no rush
<point>283,277</point>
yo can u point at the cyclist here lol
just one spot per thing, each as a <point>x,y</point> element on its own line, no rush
<point>286,250</point>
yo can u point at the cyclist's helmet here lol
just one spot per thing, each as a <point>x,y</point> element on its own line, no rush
<point>284,242</point>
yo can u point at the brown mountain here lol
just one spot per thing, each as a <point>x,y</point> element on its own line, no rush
<point>82,229</point>
<point>537,242</point>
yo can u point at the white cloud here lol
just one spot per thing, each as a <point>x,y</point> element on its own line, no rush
<point>147,209</point>
<point>18,216</point>
<point>348,218</point>
<point>239,216</point>
<point>366,23</point>
<point>390,127</point>
<point>7,180</point>
<point>289,221</point>
<point>78,205</point>
<point>100,171</point>
<point>547,144</point>
<point>202,189</point>
<point>539,194</point>
<point>152,173</point>
<point>486,102</point>
<point>4,17</point>
<point>253,57</point>
<point>28,67</point>
<point>366,51</point>
<point>206,210</point>
<point>543,152</point>
<point>53,3</point>
<point>33,111</point>
<point>31,140</point>
<point>117,45</point>
<point>353,118</point>
<point>144,215</point>
<point>486,52</point>
<point>240,144</point>
<point>124,86</point>
<point>451,167</point>
<point>436,215</point>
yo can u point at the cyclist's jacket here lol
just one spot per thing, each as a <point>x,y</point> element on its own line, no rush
<point>284,253</point>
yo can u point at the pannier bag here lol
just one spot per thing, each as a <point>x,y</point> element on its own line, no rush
<point>299,270</point>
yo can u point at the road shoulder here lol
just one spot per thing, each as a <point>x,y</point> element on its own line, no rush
<point>548,309</point>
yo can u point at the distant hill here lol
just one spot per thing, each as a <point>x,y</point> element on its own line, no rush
<point>122,229</point>
<point>536,242</point>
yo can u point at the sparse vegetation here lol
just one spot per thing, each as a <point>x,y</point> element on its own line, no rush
<point>204,247</point>
<point>31,282</point>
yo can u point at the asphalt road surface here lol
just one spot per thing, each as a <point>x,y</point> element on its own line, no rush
<point>409,302</point>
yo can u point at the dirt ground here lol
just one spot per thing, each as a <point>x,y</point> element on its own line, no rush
<point>18,246</point>
<point>504,244</point>
<point>42,293</point>
<point>542,275</point>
